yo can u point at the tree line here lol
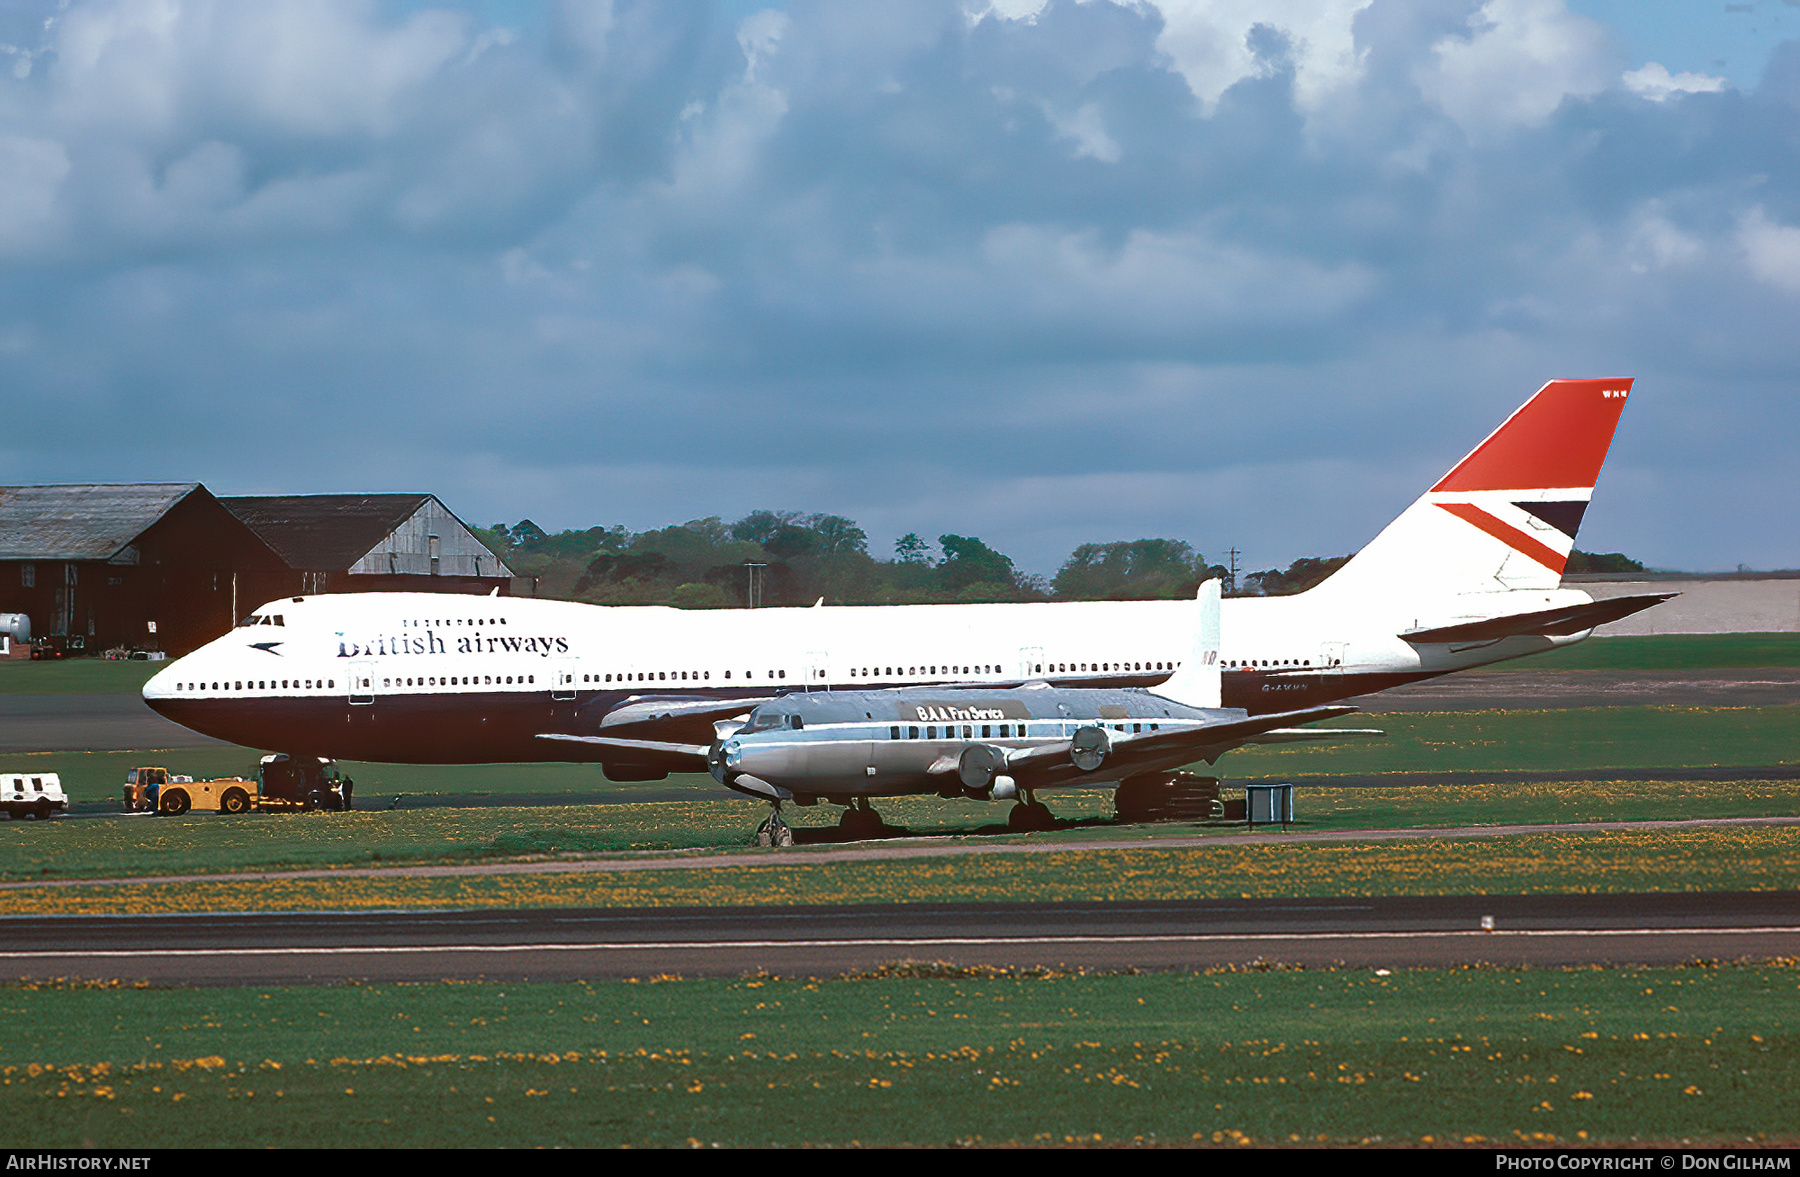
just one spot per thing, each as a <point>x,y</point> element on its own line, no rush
<point>790,558</point>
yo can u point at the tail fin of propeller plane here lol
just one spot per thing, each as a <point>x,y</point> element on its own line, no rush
<point>1504,517</point>
<point>1200,680</point>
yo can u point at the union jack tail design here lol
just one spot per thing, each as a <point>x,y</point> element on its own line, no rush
<point>1505,517</point>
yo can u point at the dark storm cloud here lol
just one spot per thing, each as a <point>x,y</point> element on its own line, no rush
<point>1085,272</point>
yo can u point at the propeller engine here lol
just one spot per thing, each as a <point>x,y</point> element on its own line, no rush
<point>978,766</point>
<point>1089,748</point>
<point>716,760</point>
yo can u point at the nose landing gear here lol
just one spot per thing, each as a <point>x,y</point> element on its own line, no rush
<point>774,831</point>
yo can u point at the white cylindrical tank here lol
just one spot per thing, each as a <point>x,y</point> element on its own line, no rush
<point>16,626</point>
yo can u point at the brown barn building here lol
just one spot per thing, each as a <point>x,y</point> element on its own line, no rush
<point>372,543</point>
<point>153,566</point>
<point>167,566</point>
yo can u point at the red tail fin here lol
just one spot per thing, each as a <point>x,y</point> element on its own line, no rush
<point>1505,517</point>
<point>1558,438</point>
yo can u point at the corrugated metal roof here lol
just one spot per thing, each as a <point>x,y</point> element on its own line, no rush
<point>326,533</point>
<point>83,522</point>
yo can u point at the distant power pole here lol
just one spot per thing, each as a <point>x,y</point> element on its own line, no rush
<point>753,591</point>
<point>1231,570</point>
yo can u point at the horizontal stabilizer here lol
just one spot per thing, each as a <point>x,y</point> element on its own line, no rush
<point>1570,619</point>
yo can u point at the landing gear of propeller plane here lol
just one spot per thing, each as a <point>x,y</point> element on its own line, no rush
<point>774,831</point>
<point>1029,815</point>
<point>860,820</point>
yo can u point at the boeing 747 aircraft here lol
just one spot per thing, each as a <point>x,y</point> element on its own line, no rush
<point>1470,574</point>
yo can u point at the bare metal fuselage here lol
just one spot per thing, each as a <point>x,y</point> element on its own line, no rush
<point>960,742</point>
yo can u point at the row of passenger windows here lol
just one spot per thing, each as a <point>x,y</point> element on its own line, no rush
<point>308,684</point>
<point>1037,668</point>
<point>467,680</point>
<point>1087,667</point>
<point>284,684</point>
<point>676,676</point>
<point>447,622</point>
<point>693,675</point>
<point>879,671</point>
<point>891,671</point>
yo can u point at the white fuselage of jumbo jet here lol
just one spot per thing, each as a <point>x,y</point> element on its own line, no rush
<point>440,678</point>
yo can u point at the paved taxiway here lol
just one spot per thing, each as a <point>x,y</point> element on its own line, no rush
<point>89,723</point>
<point>550,945</point>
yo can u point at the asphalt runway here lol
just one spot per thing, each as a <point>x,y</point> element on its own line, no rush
<point>555,945</point>
<point>89,723</point>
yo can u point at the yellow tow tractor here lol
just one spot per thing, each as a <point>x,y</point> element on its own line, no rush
<point>155,790</point>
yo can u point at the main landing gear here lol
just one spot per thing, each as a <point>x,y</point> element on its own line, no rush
<point>860,820</point>
<point>1029,815</point>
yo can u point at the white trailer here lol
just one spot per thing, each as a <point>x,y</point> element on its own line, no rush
<point>32,795</point>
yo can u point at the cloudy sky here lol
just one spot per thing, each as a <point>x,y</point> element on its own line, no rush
<point>1241,272</point>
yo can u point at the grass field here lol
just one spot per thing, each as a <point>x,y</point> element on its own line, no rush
<point>209,843</point>
<point>1700,1054</point>
<point>75,676</point>
<point>1677,651</point>
<point>1576,860</point>
<point>1563,740</point>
